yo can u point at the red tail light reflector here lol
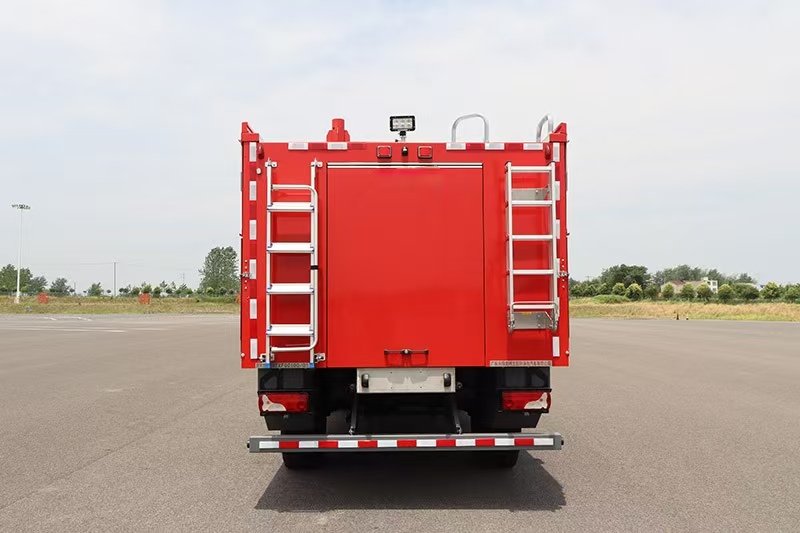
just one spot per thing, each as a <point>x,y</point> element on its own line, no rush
<point>526,400</point>
<point>288,402</point>
<point>384,151</point>
<point>425,152</point>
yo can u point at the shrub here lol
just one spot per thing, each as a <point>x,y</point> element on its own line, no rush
<point>771,291</point>
<point>610,299</point>
<point>746,291</point>
<point>704,292</point>
<point>634,292</point>
<point>604,288</point>
<point>618,290</point>
<point>725,293</point>
<point>792,293</point>
<point>651,291</point>
<point>669,291</point>
<point>688,292</point>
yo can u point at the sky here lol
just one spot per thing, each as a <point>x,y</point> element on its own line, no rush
<point>119,121</point>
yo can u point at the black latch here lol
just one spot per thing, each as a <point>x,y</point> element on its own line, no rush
<point>405,351</point>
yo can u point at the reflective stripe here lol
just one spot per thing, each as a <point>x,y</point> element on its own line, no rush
<point>387,444</point>
<point>532,146</point>
<point>348,444</point>
<point>465,442</point>
<point>504,442</point>
<point>426,443</point>
<point>495,146</point>
<point>337,146</point>
<point>253,308</point>
<point>253,191</point>
<point>543,441</point>
<point>268,445</point>
<point>298,146</point>
<point>252,230</point>
<point>252,269</point>
<point>309,444</point>
<point>556,346</point>
<point>456,146</point>
<point>253,348</point>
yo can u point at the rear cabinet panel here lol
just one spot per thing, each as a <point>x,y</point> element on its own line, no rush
<point>411,257</point>
<point>404,266</point>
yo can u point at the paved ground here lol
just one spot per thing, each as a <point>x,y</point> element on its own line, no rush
<point>139,423</point>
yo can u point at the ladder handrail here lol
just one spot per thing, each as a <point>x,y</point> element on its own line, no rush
<point>314,262</point>
<point>464,117</point>
<point>549,120</point>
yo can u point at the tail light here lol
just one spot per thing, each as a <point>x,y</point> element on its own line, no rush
<point>526,400</point>
<point>288,402</point>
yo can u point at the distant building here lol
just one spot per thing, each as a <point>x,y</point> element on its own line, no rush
<point>679,284</point>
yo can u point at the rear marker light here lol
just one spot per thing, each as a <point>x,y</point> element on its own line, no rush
<point>289,402</point>
<point>425,152</point>
<point>526,400</point>
<point>384,152</point>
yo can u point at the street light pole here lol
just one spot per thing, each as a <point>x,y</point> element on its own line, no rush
<point>22,208</point>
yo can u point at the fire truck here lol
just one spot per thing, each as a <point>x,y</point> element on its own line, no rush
<point>404,295</point>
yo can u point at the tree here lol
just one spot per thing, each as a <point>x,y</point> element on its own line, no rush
<point>687,292</point>
<point>135,291</point>
<point>651,291</point>
<point>59,287</point>
<point>771,291</point>
<point>589,290</point>
<point>745,291</point>
<point>604,288</point>
<point>210,291</point>
<point>668,292</point>
<point>725,293</point>
<point>704,292</point>
<point>577,290</point>
<point>95,290</point>
<point>8,278</point>
<point>792,293</point>
<point>625,274</point>
<point>219,271</point>
<point>37,285</point>
<point>157,291</point>
<point>619,289</point>
<point>146,288</point>
<point>634,292</point>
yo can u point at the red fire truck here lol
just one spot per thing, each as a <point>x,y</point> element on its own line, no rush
<point>417,292</point>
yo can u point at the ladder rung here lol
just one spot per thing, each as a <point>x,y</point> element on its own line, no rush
<point>548,272</point>
<point>532,238</point>
<point>290,288</point>
<point>291,207</point>
<point>531,203</point>
<point>534,306</point>
<point>290,330</point>
<point>290,248</point>
<point>529,169</point>
<point>530,195</point>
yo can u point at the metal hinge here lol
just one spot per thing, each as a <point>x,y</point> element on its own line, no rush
<point>562,274</point>
<point>245,275</point>
<point>319,357</point>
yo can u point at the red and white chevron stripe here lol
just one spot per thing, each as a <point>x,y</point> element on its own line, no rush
<point>303,443</point>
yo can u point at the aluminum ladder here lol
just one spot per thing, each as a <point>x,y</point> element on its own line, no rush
<point>311,248</point>
<point>532,314</point>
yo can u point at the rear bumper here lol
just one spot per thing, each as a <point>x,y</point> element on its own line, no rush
<point>364,443</point>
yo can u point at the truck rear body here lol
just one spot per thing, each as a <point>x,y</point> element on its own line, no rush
<point>416,271</point>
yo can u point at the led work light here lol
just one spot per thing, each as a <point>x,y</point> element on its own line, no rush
<point>403,123</point>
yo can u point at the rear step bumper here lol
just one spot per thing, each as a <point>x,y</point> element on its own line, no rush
<point>363,443</point>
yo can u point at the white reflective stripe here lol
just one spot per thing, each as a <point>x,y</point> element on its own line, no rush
<point>253,308</point>
<point>456,146</point>
<point>252,269</point>
<point>253,348</point>
<point>543,441</point>
<point>268,445</point>
<point>556,346</point>
<point>504,441</point>
<point>298,146</point>
<point>252,230</point>
<point>387,444</point>
<point>426,443</point>
<point>308,444</point>
<point>494,146</point>
<point>557,187</point>
<point>348,444</point>
<point>558,228</point>
<point>253,191</point>
<point>465,442</point>
<point>337,146</point>
<point>532,146</point>
<point>253,148</point>
<point>556,152</point>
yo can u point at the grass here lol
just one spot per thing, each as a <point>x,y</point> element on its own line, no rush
<point>767,311</point>
<point>106,305</point>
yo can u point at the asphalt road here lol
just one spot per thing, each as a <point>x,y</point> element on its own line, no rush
<point>139,423</point>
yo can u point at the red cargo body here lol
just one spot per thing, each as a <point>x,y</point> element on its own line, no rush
<point>412,252</point>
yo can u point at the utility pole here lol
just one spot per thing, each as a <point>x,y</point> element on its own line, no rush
<point>22,208</point>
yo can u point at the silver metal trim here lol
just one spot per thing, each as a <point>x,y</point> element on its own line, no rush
<point>549,120</point>
<point>405,380</point>
<point>465,117</point>
<point>425,442</point>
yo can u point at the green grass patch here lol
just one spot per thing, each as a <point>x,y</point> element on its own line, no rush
<point>670,309</point>
<point>104,305</point>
